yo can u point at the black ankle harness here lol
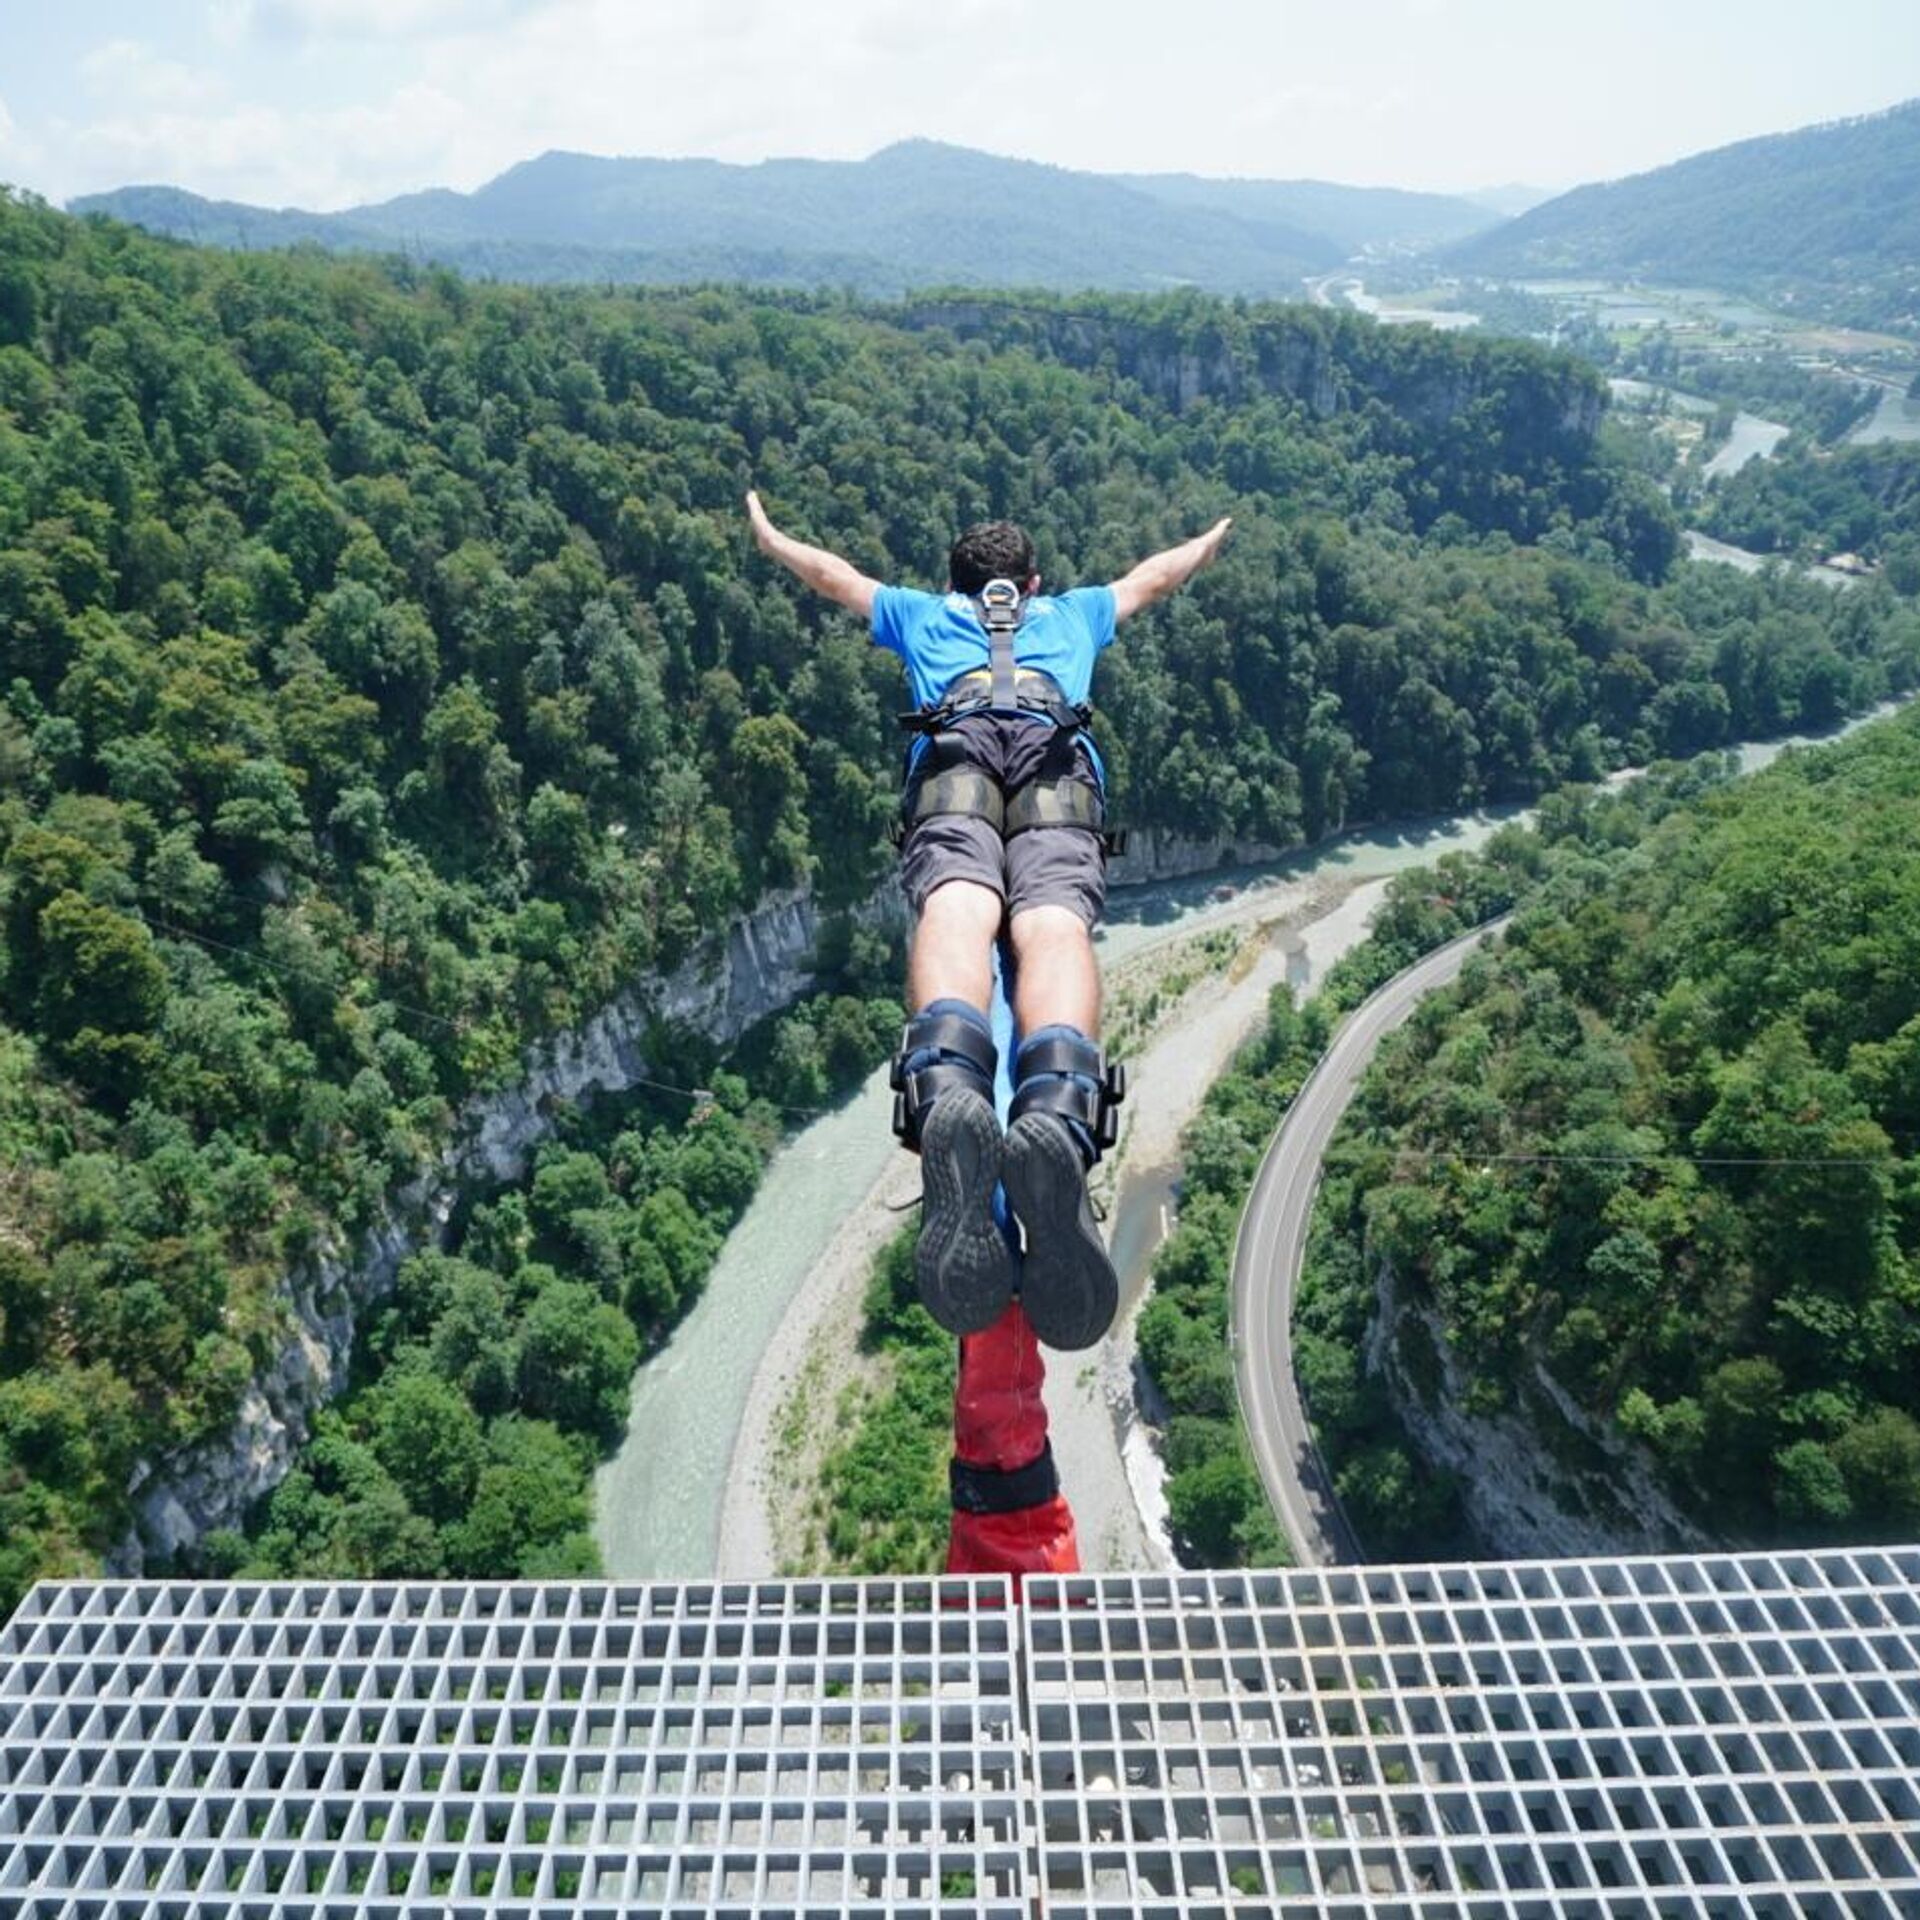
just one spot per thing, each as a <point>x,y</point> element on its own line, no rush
<point>1073,1079</point>
<point>976,1060</point>
<point>1002,1489</point>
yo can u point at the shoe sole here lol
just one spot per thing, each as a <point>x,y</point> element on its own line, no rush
<point>1068,1288</point>
<point>963,1264</point>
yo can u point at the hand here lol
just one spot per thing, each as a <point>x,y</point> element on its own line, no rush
<point>763,534</point>
<point>1214,535</point>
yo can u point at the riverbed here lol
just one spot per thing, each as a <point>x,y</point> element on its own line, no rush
<point>1897,417</point>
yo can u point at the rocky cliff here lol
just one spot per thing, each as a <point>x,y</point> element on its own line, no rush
<point>1328,362</point>
<point>763,963</point>
<point>1541,1480</point>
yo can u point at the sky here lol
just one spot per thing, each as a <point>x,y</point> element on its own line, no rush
<point>328,103</point>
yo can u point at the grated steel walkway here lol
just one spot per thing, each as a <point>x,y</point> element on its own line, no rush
<point>1730,1736</point>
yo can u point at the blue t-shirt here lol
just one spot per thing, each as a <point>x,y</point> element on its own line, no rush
<point>940,637</point>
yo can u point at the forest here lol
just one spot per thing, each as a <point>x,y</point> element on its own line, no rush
<point>487,1387</point>
<point>387,682</point>
<point>1661,1145</point>
<point>1807,505</point>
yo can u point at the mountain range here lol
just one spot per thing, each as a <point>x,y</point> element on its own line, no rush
<point>1826,218</point>
<point>913,214</point>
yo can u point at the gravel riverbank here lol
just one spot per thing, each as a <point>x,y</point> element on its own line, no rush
<point>1109,1469</point>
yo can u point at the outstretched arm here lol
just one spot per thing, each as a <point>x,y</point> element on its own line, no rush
<point>824,572</point>
<point>1164,573</point>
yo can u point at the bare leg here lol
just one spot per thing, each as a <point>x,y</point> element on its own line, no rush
<point>953,945</point>
<point>1056,982</point>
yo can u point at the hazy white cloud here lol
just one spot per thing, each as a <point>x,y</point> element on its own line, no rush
<point>325,158</point>
<point>22,158</point>
<point>379,19</point>
<point>329,102</point>
<point>132,73</point>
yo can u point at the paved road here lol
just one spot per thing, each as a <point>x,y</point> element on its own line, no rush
<point>1272,1243</point>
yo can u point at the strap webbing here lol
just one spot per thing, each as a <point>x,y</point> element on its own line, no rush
<point>1055,803</point>
<point>1000,611</point>
<point>1002,1490</point>
<point>960,790</point>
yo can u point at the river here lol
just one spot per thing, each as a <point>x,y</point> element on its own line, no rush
<point>1751,439</point>
<point>1896,418</point>
<point>1702,546</point>
<point>1340,289</point>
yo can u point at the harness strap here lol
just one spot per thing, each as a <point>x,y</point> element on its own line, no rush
<point>950,1034</point>
<point>940,1052</point>
<point>961,790</point>
<point>1002,1489</point>
<point>1067,1075</point>
<point>1035,691</point>
<point>1000,610</point>
<point>1058,803</point>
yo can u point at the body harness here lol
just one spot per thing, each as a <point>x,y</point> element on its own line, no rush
<point>1061,1073</point>
<point>1053,798</point>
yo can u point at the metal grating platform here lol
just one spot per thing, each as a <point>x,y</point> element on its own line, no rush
<point>1726,1736</point>
<point>819,1747</point>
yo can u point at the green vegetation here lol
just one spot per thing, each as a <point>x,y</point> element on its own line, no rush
<point>388,684</point>
<point>1818,403</point>
<point>499,1372</point>
<point>1218,1507</point>
<point>909,216</point>
<point>1825,219</point>
<point>1710,1032</point>
<point>1806,505</point>
<point>496,1375</point>
<point>881,1501</point>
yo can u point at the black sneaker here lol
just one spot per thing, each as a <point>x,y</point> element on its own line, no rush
<point>1068,1288</point>
<point>963,1263</point>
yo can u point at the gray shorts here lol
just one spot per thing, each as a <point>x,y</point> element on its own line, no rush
<point>1042,867</point>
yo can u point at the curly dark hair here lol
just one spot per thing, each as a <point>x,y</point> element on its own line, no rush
<point>992,550</point>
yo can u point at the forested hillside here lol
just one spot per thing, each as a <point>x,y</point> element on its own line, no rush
<point>388,680</point>
<point>1826,219</point>
<point>1665,1147</point>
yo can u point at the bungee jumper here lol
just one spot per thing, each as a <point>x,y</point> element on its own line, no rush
<point>1003,845</point>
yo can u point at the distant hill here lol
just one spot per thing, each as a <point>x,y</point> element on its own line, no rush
<point>1510,200</point>
<point>1827,219</point>
<point>915,214</point>
<point>1354,218</point>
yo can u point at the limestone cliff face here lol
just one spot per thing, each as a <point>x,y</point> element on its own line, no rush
<point>763,963</point>
<point>1543,1481</point>
<point>1282,357</point>
<point>1158,853</point>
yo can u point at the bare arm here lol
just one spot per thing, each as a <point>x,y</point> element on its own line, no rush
<point>1164,573</point>
<point>840,580</point>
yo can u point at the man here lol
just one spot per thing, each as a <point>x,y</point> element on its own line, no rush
<point>1002,820</point>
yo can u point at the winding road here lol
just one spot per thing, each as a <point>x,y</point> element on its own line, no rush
<point>1271,1245</point>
